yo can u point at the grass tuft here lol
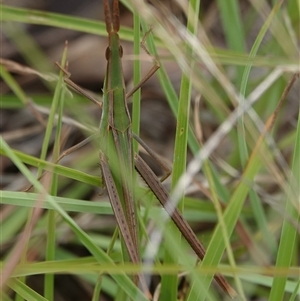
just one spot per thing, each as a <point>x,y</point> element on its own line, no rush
<point>235,162</point>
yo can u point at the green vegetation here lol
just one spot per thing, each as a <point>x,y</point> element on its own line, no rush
<point>243,137</point>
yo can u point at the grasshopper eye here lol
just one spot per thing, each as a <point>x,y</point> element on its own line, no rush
<point>107,53</point>
<point>120,51</point>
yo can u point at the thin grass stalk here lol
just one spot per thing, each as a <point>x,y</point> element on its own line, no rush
<point>289,235</point>
<point>51,224</point>
<point>136,98</point>
<point>170,282</point>
<point>243,150</point>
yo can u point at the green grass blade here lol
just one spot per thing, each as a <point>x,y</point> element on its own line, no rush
<point>233,29</point>
<point>59,169</point>
<point>136,98</point>
<point>256,203</point>
<point>296,292</point>
<point>26,199</point>
<point>13,85</point>
<point>29,16</point>
<point>57,105</point>
<point>25,291</point>
<point>169,283</point>
<point>289,235</point>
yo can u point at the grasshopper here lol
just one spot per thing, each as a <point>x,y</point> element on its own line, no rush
<point>117,160</point>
